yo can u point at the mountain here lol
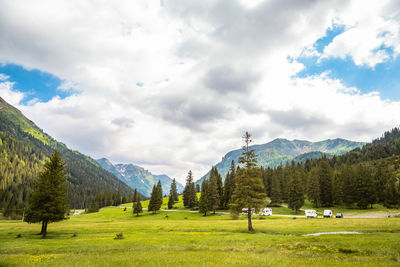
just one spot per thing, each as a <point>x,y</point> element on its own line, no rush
<point>24,148</point>
<point>282,150</point>
<point>139,178</point>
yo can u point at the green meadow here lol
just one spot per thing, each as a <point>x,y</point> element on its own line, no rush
<point>189,239</point>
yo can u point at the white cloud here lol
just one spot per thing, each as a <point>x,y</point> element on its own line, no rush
<point>370,32</point>
<point>208,71</point>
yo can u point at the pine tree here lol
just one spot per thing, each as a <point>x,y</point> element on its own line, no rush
<point>276,196</point>
<point>229,185</point>
<point>173,191</point>
<point>337,189</point>
<point>204,204</point>
<point>213,190</point>
<point>325,182</point>
<point>171,202</point>
<point>153,200</point>
<point>220,189</point>
<point>313,191</point>
<point>296,192</point>
<point>198,188</point>
<point>365,188</point>
<point>189,193</point>
<point>159,196</point>
<point>349,186</point>
<point>137,205</point>
<point>249,189</point>
<point>48,202</point>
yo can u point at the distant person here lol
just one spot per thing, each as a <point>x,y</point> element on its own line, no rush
<point>389,215</point>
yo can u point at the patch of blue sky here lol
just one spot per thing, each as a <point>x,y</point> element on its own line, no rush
<point>35,84</point>
<point>383,78</point>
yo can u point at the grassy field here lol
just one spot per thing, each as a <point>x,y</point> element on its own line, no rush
<point>187,238</point>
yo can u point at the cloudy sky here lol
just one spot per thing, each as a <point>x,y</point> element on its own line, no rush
<point>171,85</point>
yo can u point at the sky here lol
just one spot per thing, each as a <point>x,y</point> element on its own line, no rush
<point>172,85</point>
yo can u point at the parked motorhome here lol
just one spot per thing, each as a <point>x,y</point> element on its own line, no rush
<point>328,214</point>
<point>311,214</point>
<point>244,211</point>
<point>266,212</point>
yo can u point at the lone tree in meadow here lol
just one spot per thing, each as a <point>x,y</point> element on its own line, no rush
<point>49,202</point>
<point>249,188</point>
<point>137,205</point>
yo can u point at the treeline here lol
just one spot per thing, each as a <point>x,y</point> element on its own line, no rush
<point>359,179</point>
<point>108,198</point>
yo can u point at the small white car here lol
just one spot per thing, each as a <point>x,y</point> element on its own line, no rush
<point>311,214</point>
<point>244,211</point>
<point>328,214</point>
<point>266,212</point>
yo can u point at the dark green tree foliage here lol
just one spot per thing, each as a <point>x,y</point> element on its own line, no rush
<point>171,202</point>
<point>213,190</point>
<point>325,182</point>
<point>189,193</point>
<point>173,191</point>
<point>365,188</point>
<point>381,178</point>
<point>313,188</point>
<point>48,202</point>
<point>155,198</point>
<point>204,204</point>
<point>229,185</point>
<point>296,192</point>
<point>198,188</point>
<point>337,189</point>
<point>220,189</point>
<point>249,188</point>
<point>392,193</point>
<point>117,198</point>
<point>137,205</point>
<point>276,196</point>
<point>160,194</point>
<point>348,182</point>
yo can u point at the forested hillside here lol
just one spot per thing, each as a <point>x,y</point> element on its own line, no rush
<point>358,179</point>
<point>24,148</point>
<point>280,151</point>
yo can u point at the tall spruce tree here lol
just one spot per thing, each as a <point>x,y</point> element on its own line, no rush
<point>365,187</point>
<point>173,191</point>
<point>48,202</point>
<point>276,196</point>
<point>325,182</point>
<point>313,188</point>
<point>229,184</point>
<point>392,193</point>
<point>137,205</point>
<point>189,193</point>
<point>213,190</point>
<point>204,203</point>
<point>154,203</point>
<point>296,192</point>
<point>349,184</point>
<point>249,189</point>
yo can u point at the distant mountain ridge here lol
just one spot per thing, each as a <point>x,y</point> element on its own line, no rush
<point>139,178</point>
<point>282,150</point>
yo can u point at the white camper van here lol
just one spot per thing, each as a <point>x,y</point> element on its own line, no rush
<point>266,212</point>
<point>244,211</point>
<point>311,214</point>
<point>328,214</point>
